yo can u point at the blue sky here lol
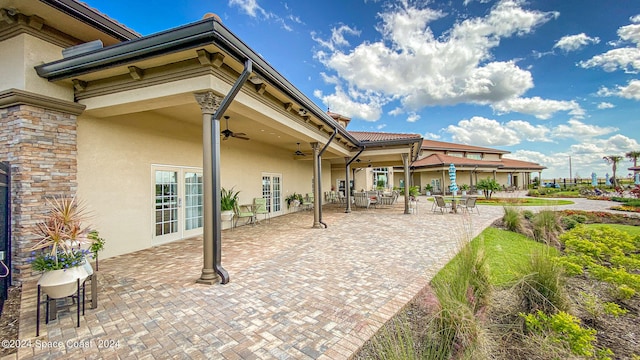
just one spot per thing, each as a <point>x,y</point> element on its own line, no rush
<point>545,80</point>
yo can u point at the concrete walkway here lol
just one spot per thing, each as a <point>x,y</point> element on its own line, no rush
<point>295,292</point>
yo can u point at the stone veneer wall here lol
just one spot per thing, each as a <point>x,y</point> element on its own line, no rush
<point>41,146</point>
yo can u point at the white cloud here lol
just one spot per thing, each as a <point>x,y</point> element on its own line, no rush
<point>630,91</point>
<point>366,106</point>
<point>624,58</point>
<point>483,132</point>
<point>381,126</point>
<point>431,136</point>
<point>409,63</point>
<point>529,132</point>
<point>575,42</point>
<point>337,37</point>
<point>413,117</point>
<point>579,130</point>
<point>605,105</point>
<point>253,9</point>
<point>540,108</point>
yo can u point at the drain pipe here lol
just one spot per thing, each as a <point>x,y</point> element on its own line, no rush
<point>319,172</point>
<point>348,184</point>
<point>212,247</point>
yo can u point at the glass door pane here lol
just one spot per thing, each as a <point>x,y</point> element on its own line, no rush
<point>272,191</point>
<point>166,202</point>
<point>192,200</point>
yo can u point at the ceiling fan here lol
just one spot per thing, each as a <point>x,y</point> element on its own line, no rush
<point>228,133</point>
<point>298,152</point>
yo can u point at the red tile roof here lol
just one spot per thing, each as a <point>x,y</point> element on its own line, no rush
<point>381,136</point>
<point>441,145</point>
<point>519,164</point>
<point>442,160</point>
<point>437,160</point>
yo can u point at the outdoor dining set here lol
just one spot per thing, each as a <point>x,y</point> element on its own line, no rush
<point>454,204</point>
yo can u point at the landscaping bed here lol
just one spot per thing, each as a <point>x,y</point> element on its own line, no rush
<point>590,317</point>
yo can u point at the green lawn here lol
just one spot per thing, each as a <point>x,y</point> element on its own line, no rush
<point>505,252</point>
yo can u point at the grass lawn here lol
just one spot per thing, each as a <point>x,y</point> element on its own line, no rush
<point>523,202</point>
<point>505,252</point>
<point>632,230</point>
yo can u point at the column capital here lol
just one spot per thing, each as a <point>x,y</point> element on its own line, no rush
<point>209,102</point>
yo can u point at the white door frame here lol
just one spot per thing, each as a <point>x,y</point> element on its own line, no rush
<point>175,227</point>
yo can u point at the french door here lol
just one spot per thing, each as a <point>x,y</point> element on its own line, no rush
<point>178,203</point>
<point>272,191</point>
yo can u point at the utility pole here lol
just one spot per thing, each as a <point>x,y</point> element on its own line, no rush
<point>570,171</point>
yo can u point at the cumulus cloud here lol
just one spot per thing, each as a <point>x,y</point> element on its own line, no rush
<point>529,132</point>
<point>630,91</point>
<point>605,105</point>
<point>413,117</point>
<point>579,130</point>
<point>481,131</point>
<point>366,106</point>
<point>623,58</point>
<point>540,108</point>
<point>575,42</point>
<point>420,69</point>
<point>431,136</point>
<point>337,38</point>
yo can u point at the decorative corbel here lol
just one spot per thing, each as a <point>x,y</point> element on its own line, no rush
<point>79,85</point>
<point>136,73</point>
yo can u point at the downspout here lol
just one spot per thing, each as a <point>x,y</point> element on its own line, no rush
<point>348,186</point>
<point>318,199</point>
<point>213,247</point>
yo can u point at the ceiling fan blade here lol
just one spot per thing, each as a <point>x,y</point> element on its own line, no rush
<point>238,136</point>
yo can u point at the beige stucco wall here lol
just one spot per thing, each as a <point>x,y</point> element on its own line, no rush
<point>19,55</point>
<point>115,158</point>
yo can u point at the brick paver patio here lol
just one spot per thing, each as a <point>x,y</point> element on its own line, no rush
<point>295,292</point>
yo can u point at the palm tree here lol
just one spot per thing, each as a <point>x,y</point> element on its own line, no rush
<point>613,160</point>
<point>633,156</point>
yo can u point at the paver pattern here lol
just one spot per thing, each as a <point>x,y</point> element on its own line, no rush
<point>295,292</point>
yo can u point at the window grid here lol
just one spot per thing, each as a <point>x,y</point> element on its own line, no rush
<point>166,202</point>
<point>193,201</point>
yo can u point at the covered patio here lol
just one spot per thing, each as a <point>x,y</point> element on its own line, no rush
<point>296,292</point>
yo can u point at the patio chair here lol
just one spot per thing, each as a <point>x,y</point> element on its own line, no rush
<point>441,204</point>
<point>470,204</point>
<point>307,203</point>
<point>260,208</point>
<point>244,212</point>
<point>361,199</point>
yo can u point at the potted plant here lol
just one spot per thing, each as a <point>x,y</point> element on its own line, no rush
<point>228,203</point>
<point>294,199</point>
<point>60,257</point>
<point>464,188</point>
<point>427,189</point>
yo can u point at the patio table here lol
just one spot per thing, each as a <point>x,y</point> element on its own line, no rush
<point>454,202</point>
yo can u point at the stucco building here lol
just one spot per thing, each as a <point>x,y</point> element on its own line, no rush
<point>135,127</point>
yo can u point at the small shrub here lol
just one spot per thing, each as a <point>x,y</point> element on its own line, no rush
<point>623,292</point>
<point>542,285</point>
<point>512,219</point>
<point>528,214</point>
<point>546,227</point>
<point>565,329</point>
<point>613,309</point>
<point>396,341</point>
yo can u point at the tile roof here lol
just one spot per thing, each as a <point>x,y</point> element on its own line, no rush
<point>519,164</point>
<point>381,136</point>
<point>437,160</point>
<point>442,145</point>
<point>440,160</point>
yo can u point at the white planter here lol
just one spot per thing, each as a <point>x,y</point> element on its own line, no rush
<point>62,283</point>
<point>464,192</point>
<point>226,215</point>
